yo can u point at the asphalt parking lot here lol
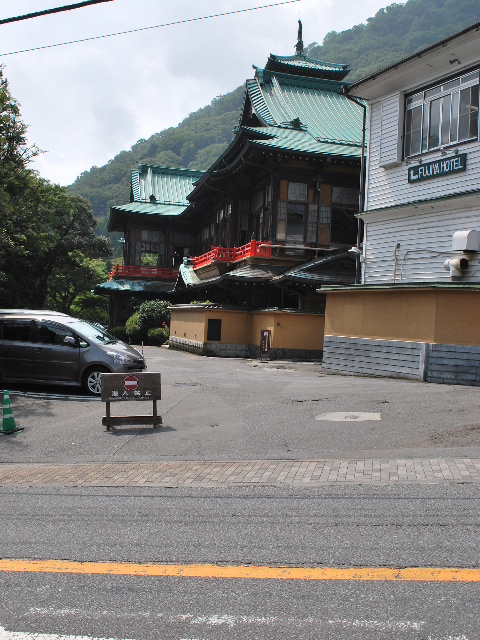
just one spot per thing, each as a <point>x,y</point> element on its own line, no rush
<point>236,409</point>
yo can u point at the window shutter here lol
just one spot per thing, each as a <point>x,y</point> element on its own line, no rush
<point>391,130</point>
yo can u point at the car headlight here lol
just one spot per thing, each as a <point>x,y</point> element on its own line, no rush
<point>118,358</point>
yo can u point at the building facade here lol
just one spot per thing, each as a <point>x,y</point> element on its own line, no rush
<point>267,225</point>
<point>155,241</point>
<point>414,313</point>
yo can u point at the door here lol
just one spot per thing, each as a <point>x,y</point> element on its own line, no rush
<point>56,353</point>
<point>16,348</point>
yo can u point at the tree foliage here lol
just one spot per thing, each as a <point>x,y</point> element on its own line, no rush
<point>43,229</point>
<point>395,32</point>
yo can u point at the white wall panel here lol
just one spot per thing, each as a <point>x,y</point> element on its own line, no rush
<point>389,186</point>
<point>425,243</point>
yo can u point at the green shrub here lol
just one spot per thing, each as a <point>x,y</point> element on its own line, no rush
<point>153,314</point>
<point>133,330</point>
<point>158,335</point>
<point>120,333</point>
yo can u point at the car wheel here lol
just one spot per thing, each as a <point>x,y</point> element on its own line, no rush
<point>92,382</point>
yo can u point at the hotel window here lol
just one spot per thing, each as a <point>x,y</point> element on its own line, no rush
<point>442,115</point>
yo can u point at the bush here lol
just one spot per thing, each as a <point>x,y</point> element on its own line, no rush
<point>158,336</point>
<point>153,314</point>
<point>133,331</point>
<point>120,333</point>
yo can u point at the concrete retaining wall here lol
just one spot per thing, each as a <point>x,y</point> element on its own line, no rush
<point>453,364</point>
<point>240,350</point>
<point>442,363</point>
<point>361,356</point>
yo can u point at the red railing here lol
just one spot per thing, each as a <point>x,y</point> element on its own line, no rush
<point>160,273</point>
<point>253,249</point>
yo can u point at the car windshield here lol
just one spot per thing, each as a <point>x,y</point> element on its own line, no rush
<point>93,332</point>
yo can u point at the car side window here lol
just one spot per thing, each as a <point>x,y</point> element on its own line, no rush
<point>15,331</point>
<point>49,333</point>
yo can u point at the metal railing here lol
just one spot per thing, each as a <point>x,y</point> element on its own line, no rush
<point>159,273</point>
<point>254,249</point>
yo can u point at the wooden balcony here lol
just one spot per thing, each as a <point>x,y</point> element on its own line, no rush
<point>253,249</point>
<point>153,273</point>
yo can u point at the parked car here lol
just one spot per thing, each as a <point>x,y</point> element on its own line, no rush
<point>51,347</point>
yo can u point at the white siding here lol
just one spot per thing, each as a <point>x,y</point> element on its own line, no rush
<point>389,186</point>
<point>391,130</point>
<point>425,243</point>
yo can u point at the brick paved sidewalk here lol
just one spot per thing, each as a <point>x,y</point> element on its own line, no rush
<point>243,473</point>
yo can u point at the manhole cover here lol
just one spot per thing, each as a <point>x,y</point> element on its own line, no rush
<point>349,416</point>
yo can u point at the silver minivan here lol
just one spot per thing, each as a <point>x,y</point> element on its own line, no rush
<point>52,347</point>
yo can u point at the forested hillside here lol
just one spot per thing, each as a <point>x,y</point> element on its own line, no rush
<point>393,33</point>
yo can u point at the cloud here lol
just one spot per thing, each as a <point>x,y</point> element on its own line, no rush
<point>84,103</point>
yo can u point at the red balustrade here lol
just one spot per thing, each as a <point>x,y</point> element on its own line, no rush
<point>253,249</point>
<point>161,273</point>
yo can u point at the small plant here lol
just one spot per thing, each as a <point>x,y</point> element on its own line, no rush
<point>158,336</point>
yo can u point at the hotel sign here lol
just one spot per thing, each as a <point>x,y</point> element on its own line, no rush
<point>442,167</point>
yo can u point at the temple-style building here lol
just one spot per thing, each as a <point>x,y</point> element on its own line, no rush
<point>266,226</point>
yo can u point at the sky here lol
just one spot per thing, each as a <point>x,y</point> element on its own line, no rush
<point>86,102</point>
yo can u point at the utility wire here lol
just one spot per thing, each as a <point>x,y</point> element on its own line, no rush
<point>37,14</point>
<point>157,26</point>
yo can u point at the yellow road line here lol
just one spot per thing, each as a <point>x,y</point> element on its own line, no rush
<point>381,574</point>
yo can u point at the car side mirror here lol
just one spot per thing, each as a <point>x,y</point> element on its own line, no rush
<point>70,341</point>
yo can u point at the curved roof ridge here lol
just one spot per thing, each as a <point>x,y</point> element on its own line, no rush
<point>302,65</point>
<point>258,101</point>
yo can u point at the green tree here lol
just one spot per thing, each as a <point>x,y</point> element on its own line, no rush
<point>41,225</point>
<point>153,314</point>
<point>71,284</point>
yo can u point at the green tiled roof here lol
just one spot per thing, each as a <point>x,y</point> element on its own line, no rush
<point>146,209</point>
<point>309,104</point>
<point>133,286</point>
<point>169,186</point>
<point>276,274</point>
<point>301,142</point>
<point>302,64</point>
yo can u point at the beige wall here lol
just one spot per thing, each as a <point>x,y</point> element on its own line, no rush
<point>288,330</point>
<point>424,315</point>
<point>190,324</point>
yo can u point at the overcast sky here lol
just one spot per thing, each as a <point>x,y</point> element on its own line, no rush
<point>86,102</point>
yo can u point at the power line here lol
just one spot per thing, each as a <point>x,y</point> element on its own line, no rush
<point>37,14</point>
<point>157,26</point>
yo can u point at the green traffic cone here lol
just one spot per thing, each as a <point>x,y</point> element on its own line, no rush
<point>8,421</point>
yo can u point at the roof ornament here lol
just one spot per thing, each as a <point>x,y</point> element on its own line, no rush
<point>299,45</point>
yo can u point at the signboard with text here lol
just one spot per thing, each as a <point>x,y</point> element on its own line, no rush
<point>136,386</point>
<point>437,168</point>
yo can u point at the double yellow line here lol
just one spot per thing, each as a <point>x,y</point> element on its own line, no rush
<point>247,572</point>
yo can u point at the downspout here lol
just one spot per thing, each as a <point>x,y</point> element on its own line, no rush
<point>361,195</point>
